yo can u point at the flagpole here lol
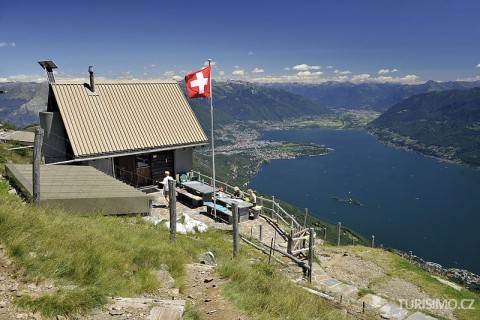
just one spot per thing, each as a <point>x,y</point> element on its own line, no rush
<point>213,144</point>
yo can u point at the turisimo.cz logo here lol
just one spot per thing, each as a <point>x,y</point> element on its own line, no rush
<point>437,304</point>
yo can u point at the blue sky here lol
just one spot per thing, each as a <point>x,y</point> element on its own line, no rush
<point>267,41</point>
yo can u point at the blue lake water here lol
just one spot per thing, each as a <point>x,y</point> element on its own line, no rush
<point>410,202</point>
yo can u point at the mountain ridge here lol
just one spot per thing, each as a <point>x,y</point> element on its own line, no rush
<point>375,96</point>
<point>443,124</point>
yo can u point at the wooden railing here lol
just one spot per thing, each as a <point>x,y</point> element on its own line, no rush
<point>269,206</point>
<point>298,241</point>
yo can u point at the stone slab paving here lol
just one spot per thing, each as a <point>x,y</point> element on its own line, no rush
<point>373,300</point>
<point>171,310</point>
<point>420,316</point>
<point>345,290</point>
<point>393,311</point>
<point>330,282</point>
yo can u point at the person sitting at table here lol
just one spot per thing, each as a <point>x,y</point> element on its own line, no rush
<point>253,197</point>
<point>237,193</point>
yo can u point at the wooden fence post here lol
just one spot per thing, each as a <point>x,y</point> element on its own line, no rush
<point>271,249</point>
<point>305,220</point>
<point>339,230</point>
<point>273,206</point>
<point>290,242</point>
<point>172,203</point>
<point>260,233</point>
<point>37,157</point>
<point>311,246</point>
<point>235,229</point>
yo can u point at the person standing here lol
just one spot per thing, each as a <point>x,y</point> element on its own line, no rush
<point>165,187</point>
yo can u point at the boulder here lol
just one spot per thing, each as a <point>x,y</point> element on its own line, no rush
<point>208,258</point>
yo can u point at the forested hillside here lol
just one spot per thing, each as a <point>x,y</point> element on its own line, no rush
<point>444,124</point>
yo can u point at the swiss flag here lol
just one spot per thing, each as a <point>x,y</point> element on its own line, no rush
<point>198,83</point>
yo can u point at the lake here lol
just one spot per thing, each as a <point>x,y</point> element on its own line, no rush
<point>410,202</point>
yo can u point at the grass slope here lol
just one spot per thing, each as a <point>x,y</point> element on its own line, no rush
<point>107,256</point>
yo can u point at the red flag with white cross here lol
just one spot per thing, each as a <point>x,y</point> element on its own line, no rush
<point>198,83</point>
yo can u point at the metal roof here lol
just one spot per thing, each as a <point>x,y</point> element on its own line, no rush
<point>79,189</point>
<point>125,117</point>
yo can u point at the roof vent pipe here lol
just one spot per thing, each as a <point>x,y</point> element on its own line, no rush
<point>92,80</point>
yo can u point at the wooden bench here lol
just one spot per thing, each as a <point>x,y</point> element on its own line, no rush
<point>189,199</point>
<point>256,211</point>
<point>222,212</point>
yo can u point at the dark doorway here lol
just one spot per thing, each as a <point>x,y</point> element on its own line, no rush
<point>145,169</point>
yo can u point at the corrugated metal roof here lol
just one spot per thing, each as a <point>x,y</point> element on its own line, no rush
<point>126,117</point>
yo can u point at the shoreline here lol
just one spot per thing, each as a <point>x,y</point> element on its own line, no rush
<point>402,148</point>
<point>416,147</point>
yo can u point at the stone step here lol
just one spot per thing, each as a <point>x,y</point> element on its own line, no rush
<point>171,309</point>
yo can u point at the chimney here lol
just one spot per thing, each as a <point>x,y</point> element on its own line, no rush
<point>49,66</point>
<point>92,80</point>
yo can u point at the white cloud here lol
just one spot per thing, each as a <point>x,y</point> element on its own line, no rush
<point>478,65</point>
<point>287,69</point>
<point>222,73</point>
<point>7,44</point>
<point>341,78</point>
<point>250,53</point>
<point>477,78</point>
<point>177,78</point>
<point>408,79</point>
<point>309,73</point>
<point>386,71</point>
<point>25,78</point>
<point>383,71</point>
<point>305,67</point>
<point>360,78</point>
<point>329,67</point>
<point>258,70</point>
<point>336,71</point>
<point>169,74</point>
<point>153,66</point>
<point>239,72</point>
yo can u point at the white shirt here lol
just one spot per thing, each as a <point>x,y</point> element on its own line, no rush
<point>165,182</point>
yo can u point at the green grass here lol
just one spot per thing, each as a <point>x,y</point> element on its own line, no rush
<point>92,257</point>
<point>103,256</point>
<point>13,156</point>
<point>266,294</point>
<point>363,292</point>
<point>191,313</point>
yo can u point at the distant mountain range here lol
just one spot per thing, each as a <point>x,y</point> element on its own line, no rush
<point>232,101</point>
<point>375,96</point>
<point>22,101</point>
<point>429,118</point>
<point>236,100</point>
<point>443,124</point>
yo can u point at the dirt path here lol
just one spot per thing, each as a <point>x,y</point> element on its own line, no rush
<point>204,290</point>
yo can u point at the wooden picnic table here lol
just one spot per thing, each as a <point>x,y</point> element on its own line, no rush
<point>200,189</point>
<point>243,205</point>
